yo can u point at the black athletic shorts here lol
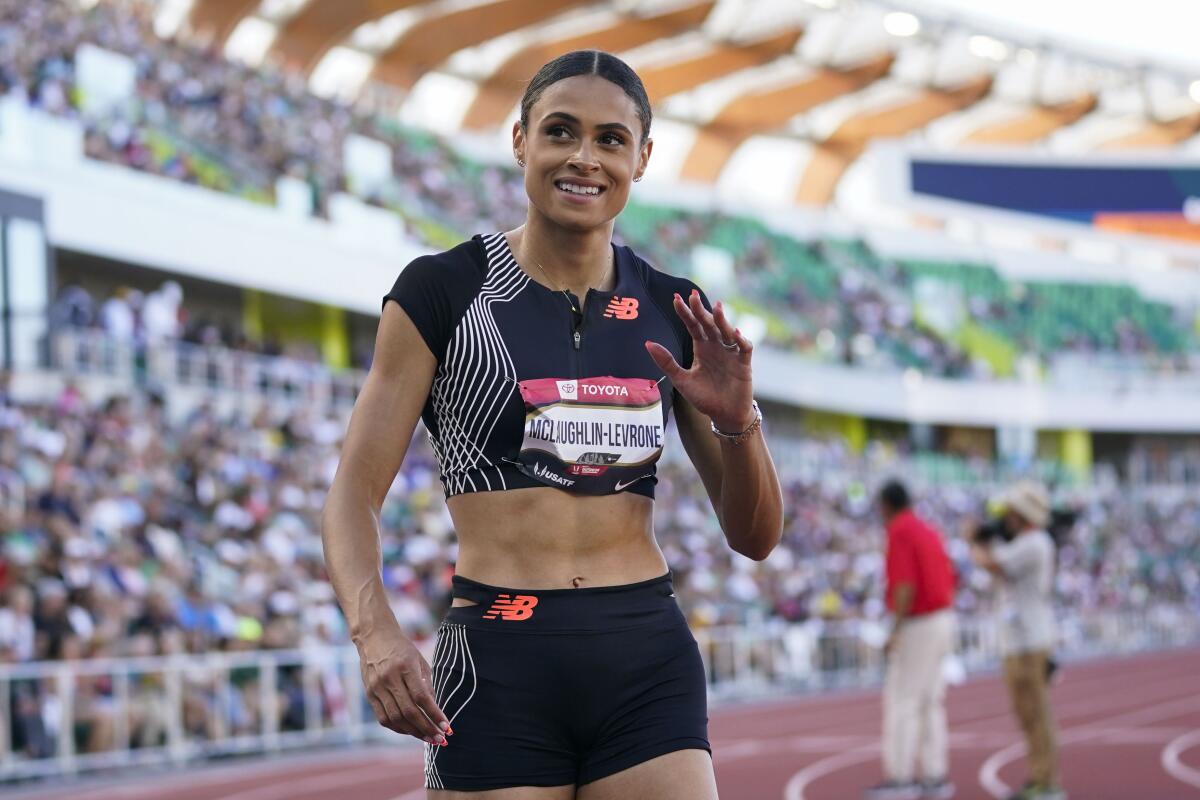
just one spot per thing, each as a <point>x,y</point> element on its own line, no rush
<point>563,686</point>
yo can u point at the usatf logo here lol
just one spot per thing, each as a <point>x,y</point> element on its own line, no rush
<point>545,472</point>
<point>622,308</point>
<point>512,609</point>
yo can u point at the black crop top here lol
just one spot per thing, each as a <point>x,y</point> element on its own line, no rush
<point>528,393</point>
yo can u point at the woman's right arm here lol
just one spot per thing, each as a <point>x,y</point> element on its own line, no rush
<point>397,678</point>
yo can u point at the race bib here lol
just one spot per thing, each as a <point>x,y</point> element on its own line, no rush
<point>591,435</point>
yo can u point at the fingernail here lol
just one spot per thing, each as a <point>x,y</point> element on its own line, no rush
<point>449,731</point>
<point>695,292</point>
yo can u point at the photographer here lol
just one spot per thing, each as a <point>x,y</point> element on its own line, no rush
<point>1025,566</point>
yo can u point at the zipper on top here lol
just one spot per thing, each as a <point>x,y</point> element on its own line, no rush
<point>577,322</point>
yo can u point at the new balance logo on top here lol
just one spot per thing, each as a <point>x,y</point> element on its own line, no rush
<point>512,609</point>
<point>622,308</point>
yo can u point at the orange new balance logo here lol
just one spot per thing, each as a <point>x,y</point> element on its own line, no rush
<point>512,609</point>
<point>622,308</point>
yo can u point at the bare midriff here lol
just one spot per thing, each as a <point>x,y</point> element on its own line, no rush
<point>546,539</point>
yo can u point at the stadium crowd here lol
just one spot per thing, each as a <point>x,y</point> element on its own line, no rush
<point>127,533</point>
<point>199,117</point>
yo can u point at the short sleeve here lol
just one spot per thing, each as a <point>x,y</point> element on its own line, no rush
<point>663,288</point>
<point>434,292</point>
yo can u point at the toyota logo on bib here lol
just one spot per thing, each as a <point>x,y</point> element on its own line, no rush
<point>568,390</point>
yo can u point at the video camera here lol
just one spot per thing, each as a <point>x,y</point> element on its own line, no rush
<point>993,529</point>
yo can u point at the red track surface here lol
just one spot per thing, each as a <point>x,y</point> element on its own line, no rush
<point>1129,729</point>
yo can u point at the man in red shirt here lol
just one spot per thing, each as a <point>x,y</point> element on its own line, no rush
<point>920,595</point>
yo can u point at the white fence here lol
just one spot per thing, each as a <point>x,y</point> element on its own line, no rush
<point>178,364</point>
<point>60,718</point>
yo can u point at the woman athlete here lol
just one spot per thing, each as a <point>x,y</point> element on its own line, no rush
<point>544,362</point>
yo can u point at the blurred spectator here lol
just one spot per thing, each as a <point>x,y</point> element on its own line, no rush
<point>161,312</point>
<point>118,314</point>
<point>17,626</point>
<point>919,591</point>
<point>129,532</point>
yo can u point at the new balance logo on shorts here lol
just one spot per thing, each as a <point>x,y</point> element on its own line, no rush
<point>512,609</point>
<point>622,308</point>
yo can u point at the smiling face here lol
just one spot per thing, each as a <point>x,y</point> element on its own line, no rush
<point>582,149</point>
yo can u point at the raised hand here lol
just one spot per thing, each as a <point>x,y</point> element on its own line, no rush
<point>718,383</point>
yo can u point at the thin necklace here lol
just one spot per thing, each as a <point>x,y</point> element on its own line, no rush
<point>565,293</point>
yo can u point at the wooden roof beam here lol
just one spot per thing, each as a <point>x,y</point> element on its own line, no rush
<point>431,41</point>
<point>832,157</point>
<point>763,111</point>
<point>500,93</point>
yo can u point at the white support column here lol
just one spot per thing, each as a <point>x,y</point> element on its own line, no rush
<point>309,674</point>
<point>176,740</point>
<point>121,714</point>
<point>65,682</point>
<point>6,726</point>
<point>269,702</point>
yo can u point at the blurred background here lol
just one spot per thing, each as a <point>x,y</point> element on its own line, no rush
<point>967,246</point>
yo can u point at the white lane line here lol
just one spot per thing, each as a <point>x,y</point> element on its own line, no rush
<point>1094,670</point>
<point>989,772</point>
<point>1174,765</point>
<point>794,790</point>
<point>795,787</point>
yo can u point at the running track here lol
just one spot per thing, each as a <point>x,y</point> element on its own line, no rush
<point>1129,729</point>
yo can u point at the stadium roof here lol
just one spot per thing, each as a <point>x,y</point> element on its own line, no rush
<point>803,86</point>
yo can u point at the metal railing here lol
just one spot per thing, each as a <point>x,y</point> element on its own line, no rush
<point>60,718</point>
<point>819,655</point>
<point>183,364</point>
<point>72,716</point>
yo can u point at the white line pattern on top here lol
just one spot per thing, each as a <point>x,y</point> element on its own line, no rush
<point>475,379</point>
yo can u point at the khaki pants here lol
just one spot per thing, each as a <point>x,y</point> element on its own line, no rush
<point>914,710</point>
<point>1025,674</point>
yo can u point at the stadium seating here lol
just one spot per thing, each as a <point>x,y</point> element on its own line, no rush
<point>203,534</point>
<point>202,119</point>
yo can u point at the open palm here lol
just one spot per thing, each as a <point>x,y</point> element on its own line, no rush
<point>719,382</point>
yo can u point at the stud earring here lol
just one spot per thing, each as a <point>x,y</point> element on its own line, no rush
<point>521,163</point>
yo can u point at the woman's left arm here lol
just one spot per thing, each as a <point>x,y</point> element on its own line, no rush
<point>740,478</point>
